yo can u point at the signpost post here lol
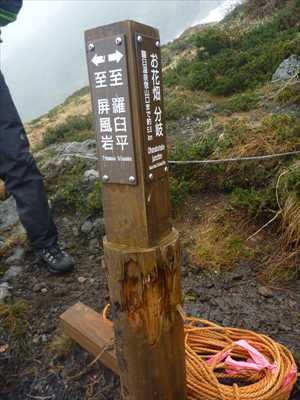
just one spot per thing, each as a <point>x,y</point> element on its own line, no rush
<point>141,249</point>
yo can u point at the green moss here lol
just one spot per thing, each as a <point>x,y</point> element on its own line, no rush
<point>221,243</point>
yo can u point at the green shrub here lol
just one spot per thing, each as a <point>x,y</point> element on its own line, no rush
<point>286,128</point>
<point>94,200</point>
<point>243,62</point>
<point>211,41</point>
<point>178,105</point>
<point>69,192</point>
<point>290,182</point>
<point>77,95</point>
<point>75,128</point>
<point>179,189</point>
<point>239,103</point>
<point>256,203</point>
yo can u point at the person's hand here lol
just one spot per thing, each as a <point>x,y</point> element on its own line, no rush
<point>3,192</point>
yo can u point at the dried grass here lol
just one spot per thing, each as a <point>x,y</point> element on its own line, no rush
<point>12,315</point>
<point>290,224</point>
<point>220,241</point>
<point>61,345</point>
<point>14,240</point>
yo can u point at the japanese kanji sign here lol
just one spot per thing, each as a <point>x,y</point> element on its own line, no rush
<point>150,78</point>
<point>107,64</point>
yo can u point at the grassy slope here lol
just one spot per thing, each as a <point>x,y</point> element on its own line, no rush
<point>217,85</point>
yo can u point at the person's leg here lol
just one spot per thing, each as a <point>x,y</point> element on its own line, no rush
<point>24,182</point>
<point>21,175</point>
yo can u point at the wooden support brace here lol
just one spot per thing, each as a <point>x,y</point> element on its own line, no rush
<point>87,328</point>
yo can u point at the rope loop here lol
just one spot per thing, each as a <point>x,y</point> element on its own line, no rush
<point>233,364</point>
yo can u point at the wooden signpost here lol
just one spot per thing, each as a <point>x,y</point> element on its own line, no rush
<point>141,249</point>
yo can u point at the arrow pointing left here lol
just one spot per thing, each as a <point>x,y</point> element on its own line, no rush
<point>97,60</point>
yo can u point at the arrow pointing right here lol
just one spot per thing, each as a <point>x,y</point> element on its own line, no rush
<point>116,56</point>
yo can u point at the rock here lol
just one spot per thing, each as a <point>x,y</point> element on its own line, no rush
<point>287,69</point>
<point>17,256</point>
<point>38,287</point>
<point>44,338</point>
<point>94,245</point>
<point>12,272</point>
<point>4,292</point>
<point>44,290</point>
<point>64,150</point>
<point>87,227</point>
<point>292,303</point>
<point>237,275</point>
<point>75,231</point>
<point>66,221</point>
<point>82,279</point>
<point>203,297</point>
<point>265,292</point>
<point>64,153</point>
<point>8,213</point>
<point>60,292</point>
<point>35,339</point>
<point>284,328</point>
<point>99,226</point>
<point>91,175</point>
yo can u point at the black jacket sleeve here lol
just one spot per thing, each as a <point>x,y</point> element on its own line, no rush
<point>9,10</point>
<point>12,6</point>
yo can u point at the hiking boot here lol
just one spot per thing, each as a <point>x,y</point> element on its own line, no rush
<point>57,261</point>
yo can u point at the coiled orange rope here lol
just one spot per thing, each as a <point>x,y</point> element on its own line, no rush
<point>208,376</point>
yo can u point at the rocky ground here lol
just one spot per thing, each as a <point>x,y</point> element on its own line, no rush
<point>37,362</point>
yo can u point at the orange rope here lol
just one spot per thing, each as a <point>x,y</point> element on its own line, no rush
<point>204,339</point>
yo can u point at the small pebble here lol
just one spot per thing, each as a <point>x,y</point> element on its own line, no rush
<point>81,279</point>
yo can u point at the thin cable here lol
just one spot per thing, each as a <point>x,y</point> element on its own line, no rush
<point>219,161</point>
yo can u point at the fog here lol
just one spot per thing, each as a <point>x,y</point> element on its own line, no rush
<point>43,57</point>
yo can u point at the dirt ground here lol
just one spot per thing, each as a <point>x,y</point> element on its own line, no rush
<point>35,365</point>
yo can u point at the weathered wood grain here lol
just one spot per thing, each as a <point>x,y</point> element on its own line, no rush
<point>87,328</point>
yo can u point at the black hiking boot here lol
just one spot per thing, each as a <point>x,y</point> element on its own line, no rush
<point>57,261</point>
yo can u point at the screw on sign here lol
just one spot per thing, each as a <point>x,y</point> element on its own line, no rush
<point>141,249</point>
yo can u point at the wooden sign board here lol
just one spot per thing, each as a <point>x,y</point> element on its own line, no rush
<point>108,75</point>
<point>150,79</point>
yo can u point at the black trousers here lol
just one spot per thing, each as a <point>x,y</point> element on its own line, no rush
<point>22,178</point>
